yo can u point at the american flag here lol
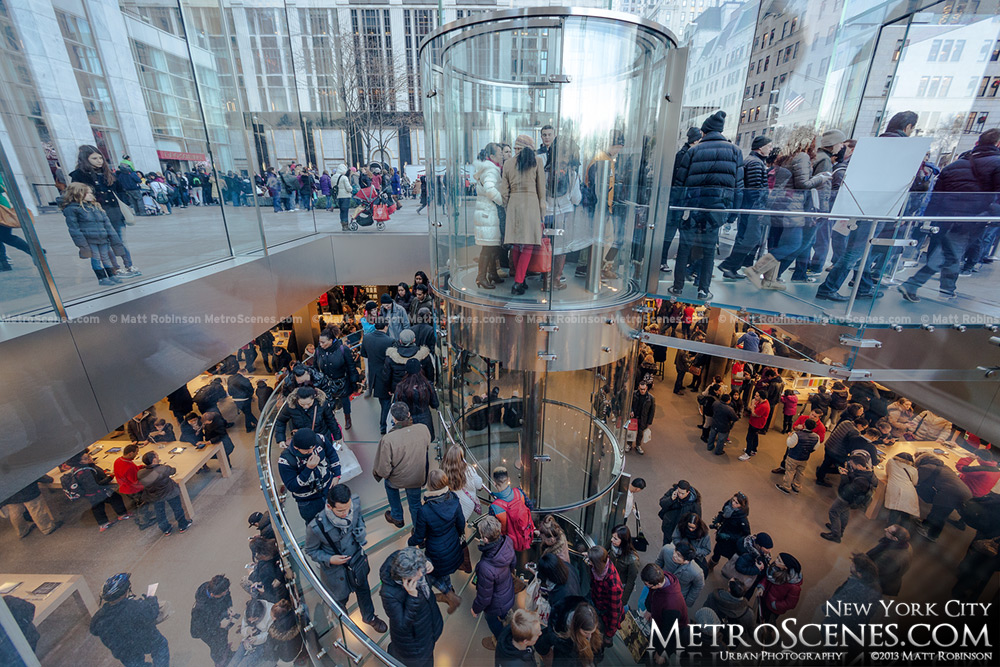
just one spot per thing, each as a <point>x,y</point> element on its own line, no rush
<point>793,104</point>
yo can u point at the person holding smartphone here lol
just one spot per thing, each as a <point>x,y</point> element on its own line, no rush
<point>308,467</point>
<point>415,621</point>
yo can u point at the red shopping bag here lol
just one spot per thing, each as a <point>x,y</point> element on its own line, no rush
<point>541,257</point>
<point>392,209</point>
<point>380,212</point>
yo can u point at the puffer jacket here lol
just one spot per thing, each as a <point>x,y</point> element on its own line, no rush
<point>755,191</point>
<point>89,224</point>
<point>711,173</point>
<point>338,362</point>
<point>781,591</point>
<point>494,583</point>
<point>415,623</point>
<point>977,170</point>
<point>395,365</point>
<point>823,162</point>
<point>157,484</point>
<point>438,528</point>
<point>319,418</point>
<point>486,216</point>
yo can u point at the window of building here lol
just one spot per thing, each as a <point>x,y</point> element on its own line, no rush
<point>984,83</point>
<point>756,114</point>
<point>975,122</point>
<point>995,55</point>
<point>994,86</point>
<point>898,50</point>
<point>932,55</point>
<point>784,30</point>
<point>795,51</point>
<point>946,47</point>
<point>754,90</point>
<point>767,61</point>
<point>922,86</point>
<point>932,88</point>
<point>795,22</point>
<point>956,54</point>
<point>888,85</point>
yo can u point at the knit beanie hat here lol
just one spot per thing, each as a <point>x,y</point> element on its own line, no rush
<point>759,142</point>
<point>385,298</point>
<point>764,540</point>
<point>714,123</point>
<point>412,367</point>
<point>791,562</point>
<point>523,141</point>
<point>304,438</point>
<point>831,138</point>
<point>694,134</point>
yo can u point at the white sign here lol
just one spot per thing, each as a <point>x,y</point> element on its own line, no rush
<point>878,178</point>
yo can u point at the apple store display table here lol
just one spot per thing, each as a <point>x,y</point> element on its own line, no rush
<point>47,591</point>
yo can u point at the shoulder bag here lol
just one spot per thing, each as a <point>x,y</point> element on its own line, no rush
<point>357,568</point>
<point>640,542</point>
<point>128,215</point>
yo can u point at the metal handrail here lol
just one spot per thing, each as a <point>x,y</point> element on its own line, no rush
<point>834,216</point>
<point>295,551</point>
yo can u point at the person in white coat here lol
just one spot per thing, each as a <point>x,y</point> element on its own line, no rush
<point>488,214</point>
<point>341,185</point>
<point>901,489</point>
<point>463,480</point>
<point>562,196</point>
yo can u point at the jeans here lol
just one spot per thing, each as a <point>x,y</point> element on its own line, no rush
<point>855,248</point>
<point>787,247</point>
<point>365,604</point>
<point>140,509</point>
<point>440,582</point>
<point>267,354</point>
<point>384,403</point>
<point>840,514</point>
<point>673,224</point>
<point>305,198</point>
<point>936,518</point>
<point>286,201</point>
<point>821,246</point>
<point>308,509</point>
<point>227,445</point>
<point>945,255</point>
<point>746,241</point>
<point>100,512</point>
<point>716,436</point>
<point>246,407</point>
<point>495,624</point>
<point>160,507</point>
<point>396,504</point>
<point>346,401</point>
<point>753,439</point>
<point>826,467</point>
<point>276,203</point>
<point>345,210</point>
<point>100,256</point>
<point>805,250</point>
<point>701,232</point>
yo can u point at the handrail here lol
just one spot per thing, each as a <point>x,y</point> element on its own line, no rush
<point>833,216</point>
<point>291,543</point>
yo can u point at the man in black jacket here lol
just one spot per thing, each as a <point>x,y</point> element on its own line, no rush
<point>373,348</point>
<point>643,409</point>
<point>723,418</point>
<point>750,227</point>
<point>977,171</point>
<point>241,391</point>
<point>711,174</point>
<point>265,342</point>
<point>214,431</point>
<point>208,396</point>
<point>306,408</point>
<point>854,492</point>
<point>212,616</point>
<point>308,467</point>
<point>681,499</point>
<point>126,624</point>
<point>674,217</point>
<point>336,361</point>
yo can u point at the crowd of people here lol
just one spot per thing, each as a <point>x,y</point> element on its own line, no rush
<point>804,176</point>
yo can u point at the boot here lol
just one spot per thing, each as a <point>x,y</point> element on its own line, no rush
<point>449,598</point>
<point>5,265</point>
<point>770,279</point>
<point>347,422</point>
<point>763,265</point>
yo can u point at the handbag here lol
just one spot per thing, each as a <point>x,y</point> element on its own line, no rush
<point>358,569</point>
<point>8,218</point>
<point>349,465</point>
<point>640,542</point>
<point>380,212</point>
<point>541,257</point>
<point>128,215</point>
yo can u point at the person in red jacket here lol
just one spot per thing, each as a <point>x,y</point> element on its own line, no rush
<point>780,589</point>
<point>760,410</point>
<point>127,477</point>
<point>980,475</point>
<point>605,591</point>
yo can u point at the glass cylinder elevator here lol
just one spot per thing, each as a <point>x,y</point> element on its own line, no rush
<point>541,381</point>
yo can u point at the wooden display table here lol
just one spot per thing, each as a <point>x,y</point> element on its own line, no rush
<point>46,603</point>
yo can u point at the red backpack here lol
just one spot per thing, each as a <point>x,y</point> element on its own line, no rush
<point>520,526</point>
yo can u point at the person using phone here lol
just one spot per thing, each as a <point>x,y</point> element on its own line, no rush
<point>308,467</point>
<point>415,621</point>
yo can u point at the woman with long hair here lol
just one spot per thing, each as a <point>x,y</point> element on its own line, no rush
<point>463,479</point>
<point>439,528</point>
<point>522,188</point>
<point>91,231</point>
<point>418,393</point>
<point>553,538</point>
<point>692,528</point>
<point>562,196</point>
<point>489,214</point>
<point>580,643</point>
<point>625,559</point>
<point>93,170</point>
<point>403,296</point>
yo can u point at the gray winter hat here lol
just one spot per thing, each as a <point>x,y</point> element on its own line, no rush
<point>831,138</point>
<point>407,337</point>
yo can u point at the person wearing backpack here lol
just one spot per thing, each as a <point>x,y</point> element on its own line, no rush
<point>86,480</point>
<point>857,486</point>
<point>510,507</point>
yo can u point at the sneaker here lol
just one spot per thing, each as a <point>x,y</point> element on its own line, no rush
<point>807,279</point>
<point>124,516</point>
<point>108,281</point>
<point>704,296</point>
<point>639,449</point>
<point>628,448</point>
<point>664,268</point>
<point>778,471</point>
<point>785,491</point>
<point>908,294</point>
<point>744,457</point>
<point>830,537</point>
<point>166,533</point>
<point>948,294</point>
<point>675,291</point>
<point>185,526</point>
<point>795,489</point>
<point>106,526</point>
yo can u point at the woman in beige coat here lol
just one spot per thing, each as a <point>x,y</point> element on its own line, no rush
<point>522,187</point>
<point>901,489</point>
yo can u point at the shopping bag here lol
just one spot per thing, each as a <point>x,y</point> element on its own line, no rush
<point>349,466</point>
<point>633,424</point>
<point>8,218</point>
<point>127,213</point>
<point>541,257</point>
<point>380,212</point>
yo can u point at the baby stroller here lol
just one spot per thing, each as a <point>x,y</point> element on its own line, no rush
<point>371,209</point>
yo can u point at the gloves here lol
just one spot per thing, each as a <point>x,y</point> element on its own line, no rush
<point>85,253</point>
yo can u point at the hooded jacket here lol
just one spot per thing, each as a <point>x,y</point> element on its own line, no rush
<point>403,456</point>
<point>303,482</point>
<point>394,369</point>
<point>731,610</point>
<point>711,172</point>
<point>893,560</point>
<point>494,583</point>
<point>667,598</point>
<point>855,486</point>
<point>342,183</point>
<point>487,216</point>
<point>138,430</point>
<point>975,171</point>
<point>397,319</point>
<point>128,628</point>
<point>345,542</point>
<point>781,591</point>
<point>89,224</point>
<point>207,614</point>
<point>415,623</point>
<point>438,528</point>
<point>319,417</point>
<point>672,509</point>
<point>157,483</point>
<point>730,529</point>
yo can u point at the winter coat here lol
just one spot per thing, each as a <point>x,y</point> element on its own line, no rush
<point>239,387</point>
<point>855,486</point>
<point>486,216</point>
<point>373,348</point>
<point>394,369</point>
<point>672,509</point>
<point>208,396</point>
<point>415,623</point>
<point>104,193</point>
<point>754,177</point>
<point>337,363</point>
<point>627,565</point>
<point>689,576</point>
<point>702,545</point>
<point>319,417</point>
<point>523,194</point>
<point>306,483</point>
<point>403,457</point>
<point>977,170</point>
<point>805,443</point>
<point>929,426</point>
<point>415,307</point>
<point>438,528</point>
<point>316,380</point>
<point>802,181</point>
<point>467,494</point>
<point>854,593</point>
<point>157,483</point>
<point>341,542</point>
<point>342,183</point>
<point>207,614</point>
<point>782,595</point>
<point>901,487</point>
<point>644,408</point>
<point>263,393</point>
<point>979,476</point>
<point>90,225</point>
<point>940,485</point>
<point>667,598</point>
<point>494,583</point>
<point>731,610</point>
<point>397,318</point>
<point>424,334</point>
<point>711,173</point>
<point>730,530</point>
<point>324,184</point>
<point>138,430</point>
<point>128,628</point>
<point>836,444</point>
<point>893,560</point>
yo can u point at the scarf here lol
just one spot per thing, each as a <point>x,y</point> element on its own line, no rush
<point>728,510</point>
<point>342,524</point>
